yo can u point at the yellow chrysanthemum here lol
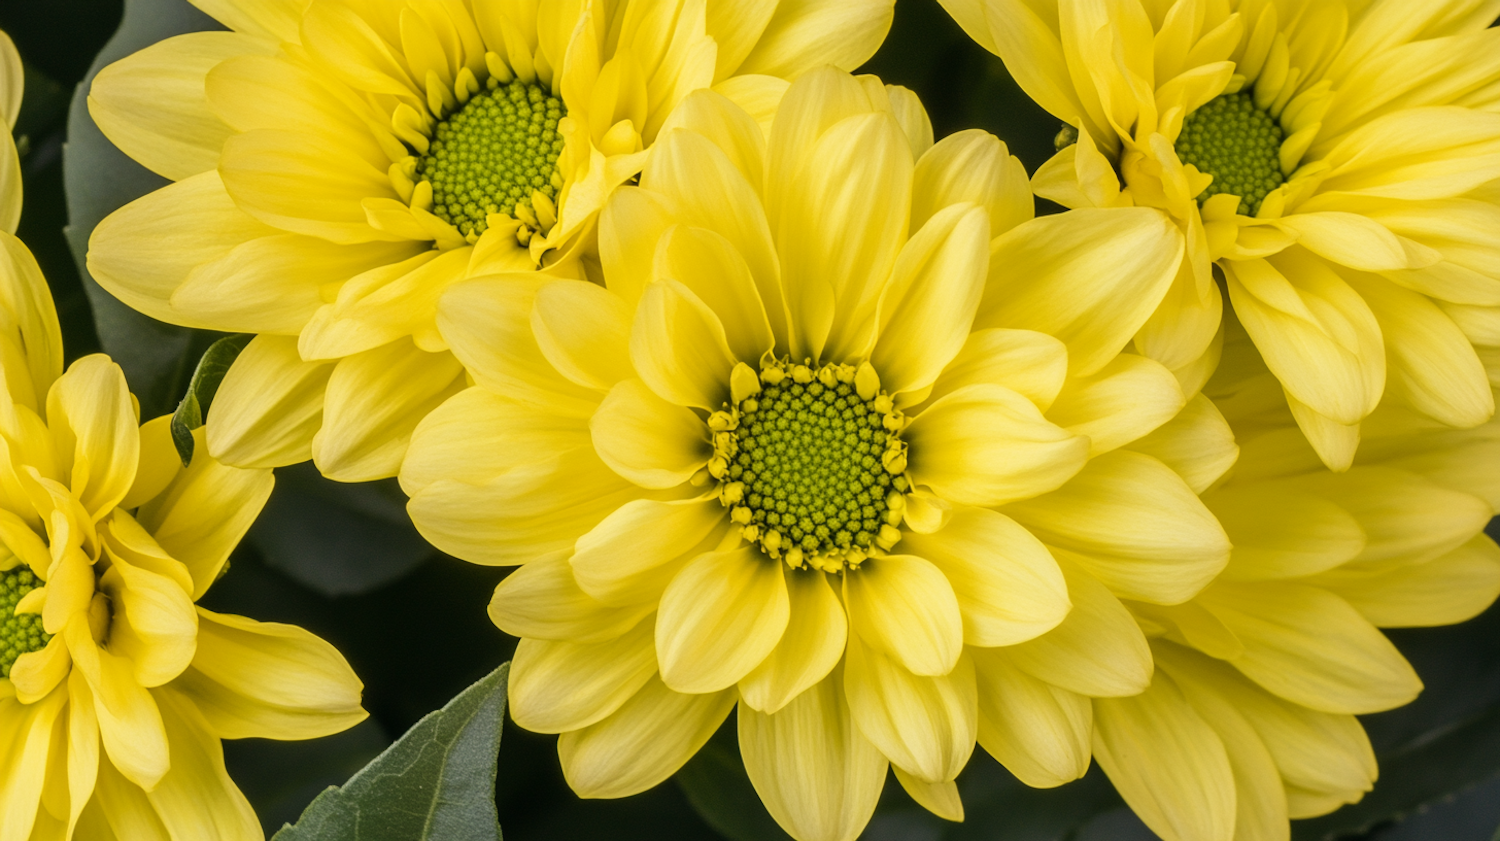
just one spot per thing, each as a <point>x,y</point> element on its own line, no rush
<point>1250,719</point>
<point>806,452</point>
<point>1331,157</point>
<point>341,162</point>
<point>115,689</point>
<point>12,82</point>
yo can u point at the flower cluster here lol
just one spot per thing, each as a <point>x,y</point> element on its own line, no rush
<point>781,407</point>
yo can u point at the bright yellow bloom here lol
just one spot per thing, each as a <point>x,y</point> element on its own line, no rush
<point>338,163</point>
<point>1331,157</point>
<point>115,689</point>
<point>12,81</point>
<point>806,453</point>
<point>1250,719</point>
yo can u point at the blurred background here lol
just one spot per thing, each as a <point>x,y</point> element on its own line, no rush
<point>343,561</point>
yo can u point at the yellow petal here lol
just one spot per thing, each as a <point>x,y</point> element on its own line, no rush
<point>153,626</point>
<point>1417,153</point>
<point>903,607</point>
<point>651,442</point>
<point>926,309</point>
<point>1309,646</point>
<point>1097,650</point>
<point>1120,403</point>
<point>373,404</point>
<point>542,600</point>
<point>804,34</point>
<point>816,632</point>
<point>1167,763</point>
<point>130,725</point>
<point>679,347</point>
<point>29,736</point>
<point>269,406</point>
<point>642,743</point>
<point>32,320</point>
<point>941,799</point>
<point>95,431</point>
<point>144,251</point>
<point>152,103</point>
<point>1029,363</point>
<point>1008,586</point>
<point>196,798</point>
<point>1446,590</point>
<point>1039,732</point>
<point>584,331</point>
<point>276,19</point>
<point>972,166</point>
<point>719,618</point>
<point>1091,278</point>
<point>708,264</point>
<point>819,777</point>
<point>628,558</point>
<point>118,802</point>
<point>271,681</point>
<point>926,725</point>
<point>560,686</point>
<point>987,445</point>
<point>1133,524</point>
<point>1198,444</point>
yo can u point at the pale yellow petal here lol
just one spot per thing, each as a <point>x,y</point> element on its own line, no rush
<point>542,600</point>
<point>197,798</point>
<point>926,725</point>
<point>816,633</point>
<point>972,166</point>
<point>720,617</point>
<point>269,406</point>
<point>1124,401</point>
<point>584,331</point>
<point>1039,732</point>
<point>1446,590</point>
<point>557,686</point>
<point>1029,363</point>
<point>679,348</point>
<point>1098,650</point>
<point>804,34</point>
<point>631,555</point>
<point>1198,444</point>
<point>95,432</point>
<point>903,607</point>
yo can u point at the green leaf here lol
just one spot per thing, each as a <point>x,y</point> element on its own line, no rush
<point>98,179</point>
<point>201,390</point>
<point>436,783</point>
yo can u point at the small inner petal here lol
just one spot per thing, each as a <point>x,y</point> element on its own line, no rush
<point>811,469</point>
<point>494,155</point>
<point>1239,145</point>
<point>18,634</point>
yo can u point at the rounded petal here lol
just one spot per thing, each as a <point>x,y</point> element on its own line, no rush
<point>719,618</point>
<point>631,556</point>
<point>988,445</point>
<point>679,347</point>
<point>643,743</point>
<point>816,633</point>
<point>557,686</point>
<point>651,442</point>
<point>1098,650</point>
<point>269,406</point>
<point>95,433</point>
<point>1446,590</point>
<point>972,166</point>
<point>804,34</point>
<point>584,331</point>
<point>1122,402</point>
<point>542,600</point>
<point>197,798</point>
<point>708,264</point>
<point>1197,444</point>
<point>817,774</point>
<point>1029,363</point>
<point>1039,732</point>
<point>904,607</point>
<point>1008,586</point>
<point>925,725</point>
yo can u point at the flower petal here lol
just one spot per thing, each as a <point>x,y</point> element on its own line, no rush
<point>987,445</point>
<point>1008,586</point>
<point>1446,590</point>
<point>651,442</point>
<point>1197,444</point>
<point>557,686</point>
<point>972,166</point>
<point>679,347</point>
<point>269,406</point>
<point>197,798</point>
<point>1039,732</point>
<point>1124,401</point>
<point>804,34</point>
<point>926,725</point>
<point>584,331</point>
<point>816,633</point>
<point>720,617</point>
<point>903,607</point>
<point>1098,650</point>
<point>817,774</point>
<point>1029,363</point>
<point>628,557</point>
<point>95,432</point>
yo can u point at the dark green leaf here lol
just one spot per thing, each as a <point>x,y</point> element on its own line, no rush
<point>98,178</point>
<point>437,783</point>
<point>716,784</point>
<point>201,390</point>
<point>280,778</point>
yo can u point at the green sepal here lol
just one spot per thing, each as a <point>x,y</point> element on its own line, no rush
<point>201,390</point>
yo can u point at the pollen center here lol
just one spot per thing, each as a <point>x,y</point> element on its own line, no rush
<point>1239,145</point>
<point>493,154</point>
<point>18,634</point>
<point>810,467</point>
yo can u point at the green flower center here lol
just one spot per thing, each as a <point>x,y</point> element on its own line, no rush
<point>18,634</point>
<point>810,468</point>
<point>1239,145</point>
<point>493,154</point>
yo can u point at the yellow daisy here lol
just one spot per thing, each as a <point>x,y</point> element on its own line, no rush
<point>1330,157</point>
<point>806,453</point>
<point>1250,719</point>
<point>339,163</point>
<point>115,689</point>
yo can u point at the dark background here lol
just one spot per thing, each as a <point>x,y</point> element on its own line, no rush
<point>343,562</point>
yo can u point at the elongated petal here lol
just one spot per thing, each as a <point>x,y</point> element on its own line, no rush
<point>631,555</point>
<point>1197,444</point>
<point>197,798</point>
<point>1091,278</point>
<point>988,445</point>
<point>558,686</point>
<point>816,633</point>
<point>542,600</point>
<point>1135,525</point>
<point>904,607</point>
<point>720,617</point>
<point>1008,586</point>
<point>1039,732</point>
<point>818,775</point>
<point>648,440</point>
<point>1310,534</point>
<point>94,428</point>
<point>1097,650</point>
<point>926,725</point>
<point>804,34</point>
<point>972,166</point>
<point>708,264</point>
<point>1446,590</point>
<point>269,406</point>
<point>679,347</point>
<point>1122,402</point>
<point>584,331</point>
<point>642,743</point>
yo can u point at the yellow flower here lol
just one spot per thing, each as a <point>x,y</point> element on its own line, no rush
<point>1331,158</point>
<point>805,454</point>
<point>1250,719</point>
<point>115,689</point>
<point>12,79</point>
<point>338,163</point>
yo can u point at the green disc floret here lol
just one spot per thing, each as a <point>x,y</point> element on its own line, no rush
<point>493,154</point>
<point>812,470</point>
<point>18,634</point>
<point>1239,145</point>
